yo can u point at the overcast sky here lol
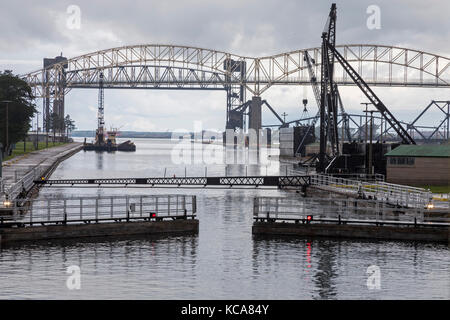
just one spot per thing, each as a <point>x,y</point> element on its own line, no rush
<point>32,30</point>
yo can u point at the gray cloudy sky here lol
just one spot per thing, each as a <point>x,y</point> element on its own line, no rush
<point>32,30</point>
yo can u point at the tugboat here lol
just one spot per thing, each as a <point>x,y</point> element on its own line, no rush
<point>124,146</point>
<point>109,144</point>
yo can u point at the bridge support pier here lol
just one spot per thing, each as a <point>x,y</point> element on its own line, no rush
<point>255,119</point>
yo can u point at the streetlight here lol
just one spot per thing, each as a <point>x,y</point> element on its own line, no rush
<point>370,162</point>
<point>7,136</point>
<point>37,130</point>
<point>7,122</point>
<point>365,129</point>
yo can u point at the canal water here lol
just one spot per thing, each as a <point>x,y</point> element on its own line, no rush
<point>224,261</point>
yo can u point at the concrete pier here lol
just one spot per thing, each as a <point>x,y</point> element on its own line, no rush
<point>113,229</point>
<point>408,233</point>
<point>41,162</point>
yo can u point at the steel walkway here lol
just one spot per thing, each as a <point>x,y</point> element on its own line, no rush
<point>231,181</point>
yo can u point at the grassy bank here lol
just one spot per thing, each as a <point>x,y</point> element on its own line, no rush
<point>29,147</point>
<point>438,189</point>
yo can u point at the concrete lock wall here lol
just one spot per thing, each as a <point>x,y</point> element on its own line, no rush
<point>255,117</point>
<point>441,234</point>
<point>98,230</point>
<point>286,137</point>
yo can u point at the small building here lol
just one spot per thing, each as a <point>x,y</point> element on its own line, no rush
<point>419,165</point>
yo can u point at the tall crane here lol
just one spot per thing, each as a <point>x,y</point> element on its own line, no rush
<point>328,105</point>
<point>330,98</point>
<point>373,98</point>
<point>100,134</point>
<point>315,86</point>
<point>345,119</point>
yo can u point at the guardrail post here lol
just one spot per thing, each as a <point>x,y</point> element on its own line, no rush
<point>277,206</point>
<point>304,209</point>
<point>127,208</point>
<point>111,211</point>
<point>255,208</point>
<point>65,212</point>
<point>48,210</point>
<point>168,205</point>
<point>96,210</point>
<point>377,209</point>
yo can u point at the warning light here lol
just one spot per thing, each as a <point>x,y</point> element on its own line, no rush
<point>7,203</point>
<point>42,178</point>
<point>153,215</point>
<point>309,218</point>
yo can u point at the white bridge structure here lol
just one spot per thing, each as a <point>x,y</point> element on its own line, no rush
<point>156,66</point>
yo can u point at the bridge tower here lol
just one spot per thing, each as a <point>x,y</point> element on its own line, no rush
<point>235,93</point>
<point>53,89</point>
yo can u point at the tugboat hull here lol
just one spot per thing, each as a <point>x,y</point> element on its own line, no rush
<point>125,146</point>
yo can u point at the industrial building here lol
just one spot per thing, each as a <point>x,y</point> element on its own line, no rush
<point>419,165</point>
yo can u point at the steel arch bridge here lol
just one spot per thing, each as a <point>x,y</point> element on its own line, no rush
<point>154,66</point>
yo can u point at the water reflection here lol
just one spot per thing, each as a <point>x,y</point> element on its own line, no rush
<point>133,263</point>
<point>325,256</point>
<point>99,160</point>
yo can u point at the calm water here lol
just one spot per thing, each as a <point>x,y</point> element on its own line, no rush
<point>224,261</point>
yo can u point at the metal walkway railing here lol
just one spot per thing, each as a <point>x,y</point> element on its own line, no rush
<point>395,194</point>
<point>227,181</point>
<point>99,209</point>
<point>334,210</point>
<point>24,183</point>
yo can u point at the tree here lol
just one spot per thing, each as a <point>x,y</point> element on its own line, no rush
<point>16,114</point>
<point>56,124</point>
<point>69,124</point>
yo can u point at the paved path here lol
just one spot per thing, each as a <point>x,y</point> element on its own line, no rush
<point>15,169</point>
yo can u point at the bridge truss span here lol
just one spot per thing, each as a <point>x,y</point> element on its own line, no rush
<point>182,67</point>
<point>154,66</point>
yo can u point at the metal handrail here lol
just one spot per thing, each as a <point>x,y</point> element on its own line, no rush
<point>103,208</point>
<point>355,210</point>
<point>394,193</point>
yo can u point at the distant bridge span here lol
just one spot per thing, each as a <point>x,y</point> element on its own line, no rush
<point>182,67</point>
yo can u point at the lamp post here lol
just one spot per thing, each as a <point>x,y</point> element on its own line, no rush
<point>37,130</point>
<point>370,162</point>
<point>7,136</point>
<point>7,122</point>
<point>365,129</point>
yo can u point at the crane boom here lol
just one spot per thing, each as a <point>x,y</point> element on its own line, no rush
<point>373,98</point>
<point>328,105</point>
<point>315,87</point>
